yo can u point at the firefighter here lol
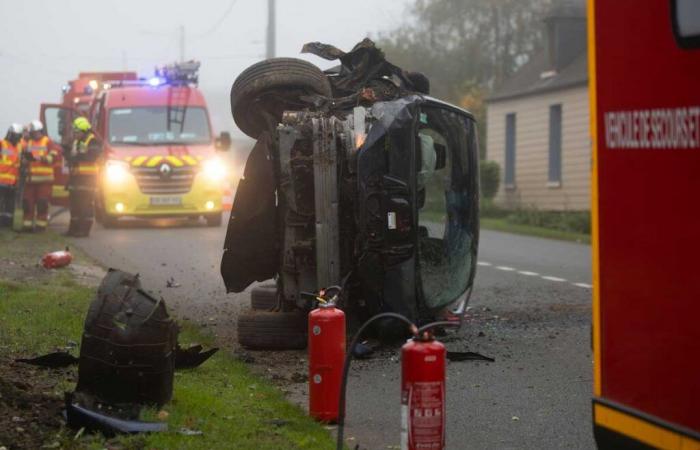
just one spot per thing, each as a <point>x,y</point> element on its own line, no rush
<point>10,149</point>
<point>37,190</point>
<point>82,160</point>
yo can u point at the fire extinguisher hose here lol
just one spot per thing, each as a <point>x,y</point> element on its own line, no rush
<point>415,331</point>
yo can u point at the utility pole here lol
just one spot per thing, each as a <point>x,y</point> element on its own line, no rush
<point>271,25</point>
<point>182,43</point>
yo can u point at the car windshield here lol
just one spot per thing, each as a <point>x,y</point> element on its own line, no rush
<point>158,125</point>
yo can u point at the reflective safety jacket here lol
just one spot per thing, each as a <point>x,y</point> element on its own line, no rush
<point>41,166</point>
<point>9,162</point>
<point>82,160</point>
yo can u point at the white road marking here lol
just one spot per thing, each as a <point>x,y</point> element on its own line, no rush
<point>557,279</point>
<point>529,274</point>
<point>533,274</point>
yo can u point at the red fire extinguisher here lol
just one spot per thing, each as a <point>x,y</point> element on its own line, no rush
<point>423,394</point>
<point>54,260</point>
<point>326,358</point>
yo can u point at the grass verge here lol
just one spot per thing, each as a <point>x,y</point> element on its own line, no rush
<point>221,399</point>
<point>502,224</point>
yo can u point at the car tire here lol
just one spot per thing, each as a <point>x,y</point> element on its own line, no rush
<point>272,330</point>
<point>286,78</point>
<point>263,297</point>
<point>213,220</point>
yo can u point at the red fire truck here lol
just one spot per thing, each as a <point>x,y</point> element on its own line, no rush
<point>78,94</point>
<point>644,63</point>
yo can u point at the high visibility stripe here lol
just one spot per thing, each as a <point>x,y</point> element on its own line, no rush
<point>6,178</point>
<point>189,160</point>
<point>595,238</point>
<point>42,223</point>
<point>642,430</point>
<point>59,191</point>
<point>175,161</point>
<point>86,170</point>
<point>41,170</point>
<point>41,179</point>
<point>154,161</point>
<point>139,161</point>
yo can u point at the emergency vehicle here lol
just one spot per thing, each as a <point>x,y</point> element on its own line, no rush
<point>78,94</point>
<point>160,158</point>
<point>644,66</point>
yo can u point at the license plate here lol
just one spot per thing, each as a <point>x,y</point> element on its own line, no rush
<point>166,201</point>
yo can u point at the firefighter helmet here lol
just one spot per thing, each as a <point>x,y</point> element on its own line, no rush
<point>81,124</point>
<point>36,125</point>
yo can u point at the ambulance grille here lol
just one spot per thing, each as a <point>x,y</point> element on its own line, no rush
<point>150,180</point>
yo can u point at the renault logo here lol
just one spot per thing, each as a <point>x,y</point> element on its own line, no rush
<point>165,171</point>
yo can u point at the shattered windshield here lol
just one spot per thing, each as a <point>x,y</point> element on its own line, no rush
<point>158,125</point>
<point>447,228</point>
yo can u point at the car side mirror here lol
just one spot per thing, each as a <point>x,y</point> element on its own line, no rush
<point>223,142</point>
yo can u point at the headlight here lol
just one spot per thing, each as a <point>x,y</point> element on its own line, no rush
<point>214,169</point>
<point>116,171</point>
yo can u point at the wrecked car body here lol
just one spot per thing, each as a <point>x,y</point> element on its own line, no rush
<point>373,188</point>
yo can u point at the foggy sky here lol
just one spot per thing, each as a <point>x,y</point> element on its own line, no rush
<point>46,43</point>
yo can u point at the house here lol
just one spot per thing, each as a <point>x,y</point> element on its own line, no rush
<point>538,122</point>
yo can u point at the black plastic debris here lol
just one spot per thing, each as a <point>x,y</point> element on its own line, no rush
<point>51,360</point>
<point>127,353</point>
<point>80,416</point>
<point>192,357</point>
<point>468,356</point>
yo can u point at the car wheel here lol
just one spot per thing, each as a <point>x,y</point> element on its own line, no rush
<point>213,220</point>
<point>272,330</point>
<point>264,297</point>
<point>271,87</point>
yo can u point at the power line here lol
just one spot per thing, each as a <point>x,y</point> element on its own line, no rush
<point>218,23</point>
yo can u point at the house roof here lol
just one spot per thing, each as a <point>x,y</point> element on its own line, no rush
<point>537,75</point>
<point>528,80</point>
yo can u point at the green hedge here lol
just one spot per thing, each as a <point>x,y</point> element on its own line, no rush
<point>571,221</point>
<point>490,178</point>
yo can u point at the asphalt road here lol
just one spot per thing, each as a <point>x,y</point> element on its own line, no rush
<point>530,311</point>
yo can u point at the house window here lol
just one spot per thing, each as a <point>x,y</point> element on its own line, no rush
<point>510,151</point>
<point>554,178</point>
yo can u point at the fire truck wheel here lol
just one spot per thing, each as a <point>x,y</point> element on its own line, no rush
<point>213,220</point>
<point>272,330</point>
<point>264,297</point>
<point>270,87</point>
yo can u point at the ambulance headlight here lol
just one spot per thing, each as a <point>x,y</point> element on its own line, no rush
<point>214,169</point>
<point>116,172</point>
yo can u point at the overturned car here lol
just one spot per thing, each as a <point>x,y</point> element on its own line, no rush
<point>358,180</point>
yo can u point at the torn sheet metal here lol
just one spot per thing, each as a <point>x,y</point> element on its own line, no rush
<point>361,67</point>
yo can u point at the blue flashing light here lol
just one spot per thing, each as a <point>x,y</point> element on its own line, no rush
<point>155,81</point>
